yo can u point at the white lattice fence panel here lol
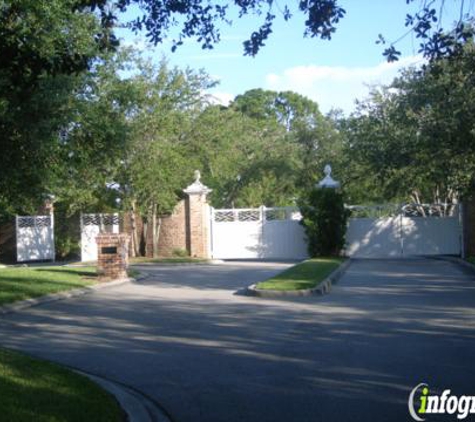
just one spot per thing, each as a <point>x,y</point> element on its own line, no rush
<point>236,233</point>
<point>35,238</point>
<point>91,226</point>
<point>257,233</point>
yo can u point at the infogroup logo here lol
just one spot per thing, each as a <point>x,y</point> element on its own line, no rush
<point>421,404</point>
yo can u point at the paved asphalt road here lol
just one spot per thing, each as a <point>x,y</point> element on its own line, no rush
<point>182,337</point>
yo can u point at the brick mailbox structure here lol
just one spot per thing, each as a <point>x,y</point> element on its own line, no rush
<point>113,255</point>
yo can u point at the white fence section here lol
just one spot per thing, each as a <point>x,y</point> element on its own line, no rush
<point>91,226</point>
<point>257,233</point>
<point>35,238</point>
<point>414,230</point>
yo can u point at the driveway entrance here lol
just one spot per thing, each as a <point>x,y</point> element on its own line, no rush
<point>182,337</point>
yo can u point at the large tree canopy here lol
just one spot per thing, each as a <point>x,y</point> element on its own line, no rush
<point>43,46</point>
<point>417,137</point>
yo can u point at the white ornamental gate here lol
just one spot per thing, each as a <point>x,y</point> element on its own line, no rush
<point>411,230</point>
<point>91,226</point>
<point>257,233</point>
<point>35,238</point>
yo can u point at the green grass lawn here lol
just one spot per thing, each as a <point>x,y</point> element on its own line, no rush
<point>471,259</point>
<point>18,283</point>
<point>35,390</point>
<point>305,275</point>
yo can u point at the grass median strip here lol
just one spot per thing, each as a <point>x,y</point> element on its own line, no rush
<point>19,283</point>
<point>36,390</point>
<point>305,275</point>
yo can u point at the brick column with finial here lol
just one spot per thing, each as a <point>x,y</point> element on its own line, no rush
<point>197,219</point>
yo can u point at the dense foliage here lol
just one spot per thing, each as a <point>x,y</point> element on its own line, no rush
<point>417,136</point>
<point>44,46</point>
<point>325,221</point>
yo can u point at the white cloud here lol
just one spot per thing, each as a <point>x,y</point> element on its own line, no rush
<point>336,86</point>
<point>221,98</point>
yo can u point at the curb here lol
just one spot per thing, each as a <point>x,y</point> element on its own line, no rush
<point>323,288</point>
<point>136,405</point>
<point>177,264</point>
<point>460,261</point>
<point>53,297</point>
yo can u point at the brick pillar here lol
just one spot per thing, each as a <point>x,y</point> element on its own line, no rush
<point>113,256</point>
<point>197,219</point>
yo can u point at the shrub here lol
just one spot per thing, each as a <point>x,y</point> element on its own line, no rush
<point>67,234</point>
<point>180,253</point>
<point>325,221</point>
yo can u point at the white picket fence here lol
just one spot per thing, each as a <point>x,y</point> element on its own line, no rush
<point>35,238</point>
<point>257,233</point>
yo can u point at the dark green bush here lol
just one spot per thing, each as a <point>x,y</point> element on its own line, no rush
<point>325,220</point>
<point>67,234</point>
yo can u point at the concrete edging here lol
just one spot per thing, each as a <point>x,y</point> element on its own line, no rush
<point>460,261</point>
<point>323,288</point>
<point>136,405</point>
<point>53,297</point>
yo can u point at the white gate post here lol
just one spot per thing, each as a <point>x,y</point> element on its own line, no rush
<point>210,232</point>
<point>262,221</point>
<point>16,239</point>
<point>401,229</point>
<point>53,243</point>
<point>460,214</point>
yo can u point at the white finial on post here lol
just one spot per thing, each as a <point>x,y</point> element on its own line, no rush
<point>197,176</point>
<point>327,181</point>
<point>197,186</point>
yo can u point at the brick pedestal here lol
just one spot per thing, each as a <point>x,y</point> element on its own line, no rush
<point>112,260</point>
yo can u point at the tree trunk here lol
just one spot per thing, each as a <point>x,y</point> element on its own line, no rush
<point>135,236</point>
<point>417,200</point>
<point>156,231</point>
<point>146,231</point>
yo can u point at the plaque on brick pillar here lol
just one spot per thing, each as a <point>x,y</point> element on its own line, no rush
<point>197,218</point>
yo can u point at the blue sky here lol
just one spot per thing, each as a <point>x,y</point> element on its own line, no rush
<point>333,73</point>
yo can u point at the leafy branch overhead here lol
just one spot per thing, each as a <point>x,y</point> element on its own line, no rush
<point>434,41</point>
<point>202,20</point>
